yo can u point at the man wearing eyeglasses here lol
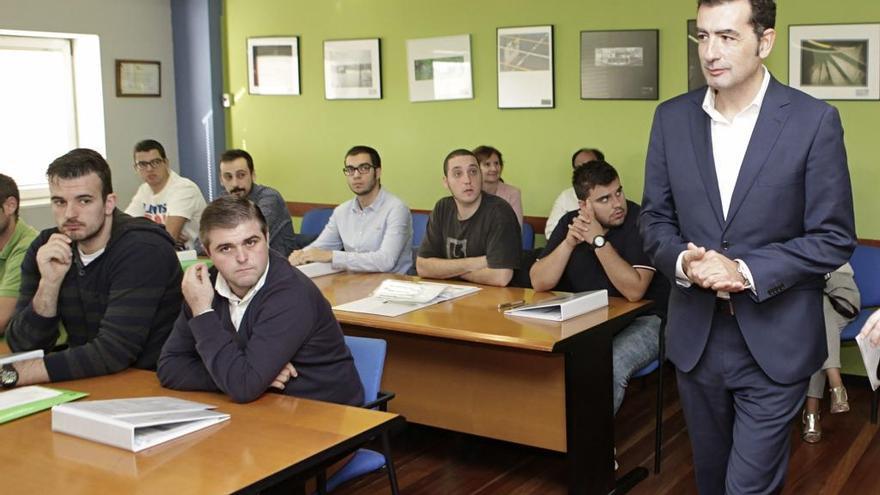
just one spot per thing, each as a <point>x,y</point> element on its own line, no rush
<point>371,232</point>
<point>471,235</point>
<point>165,197</point>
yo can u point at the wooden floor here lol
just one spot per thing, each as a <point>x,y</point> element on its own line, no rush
<point>432,461</point>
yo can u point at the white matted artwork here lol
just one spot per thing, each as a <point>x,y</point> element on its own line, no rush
<point>273,65</point>
<point>352,70</point>
<point>525,67</point>
<point>439,68</point>
<point>835,61</point>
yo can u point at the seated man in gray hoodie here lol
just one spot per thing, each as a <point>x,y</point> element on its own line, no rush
<point>253,322</point>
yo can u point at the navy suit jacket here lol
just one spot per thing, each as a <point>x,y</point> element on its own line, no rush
<point>790,220</point>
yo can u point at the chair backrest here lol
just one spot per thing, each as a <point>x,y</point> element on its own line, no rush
<point>369,359</point>
<point>528,236</point>
<point>314,220</point>
<point>419,226</point>
<point>866,266</point>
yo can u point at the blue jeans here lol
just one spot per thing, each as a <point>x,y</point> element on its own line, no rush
<point>631,350</point>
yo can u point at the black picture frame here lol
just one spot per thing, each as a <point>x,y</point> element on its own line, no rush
<point>620,64</point>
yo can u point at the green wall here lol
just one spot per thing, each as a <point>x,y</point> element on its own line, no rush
<point>298,141</point>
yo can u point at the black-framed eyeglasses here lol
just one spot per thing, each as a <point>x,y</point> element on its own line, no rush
<point>363,168</point>
<point>144,164</point>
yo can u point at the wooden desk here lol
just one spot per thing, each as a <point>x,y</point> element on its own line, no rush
<point>463,365</point>
<point>266,442</point>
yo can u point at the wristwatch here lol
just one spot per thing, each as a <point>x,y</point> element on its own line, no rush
<point>8,376</point>
<point>599,241</point>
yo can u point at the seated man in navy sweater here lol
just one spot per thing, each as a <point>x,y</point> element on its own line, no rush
<point>254,322</point>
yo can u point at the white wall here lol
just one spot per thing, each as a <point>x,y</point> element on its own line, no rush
<point>128,29</point>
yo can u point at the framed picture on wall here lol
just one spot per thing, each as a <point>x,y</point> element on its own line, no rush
<point>835,61</point>
<point>138,78</point>
<point>273,65</point>
<point>352,70</point>
<point>619,65</point>
<point>525,67</point>
<point>439,68</point>
<point>696,79</point>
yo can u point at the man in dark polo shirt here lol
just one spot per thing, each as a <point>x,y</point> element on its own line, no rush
<point>596,247</point>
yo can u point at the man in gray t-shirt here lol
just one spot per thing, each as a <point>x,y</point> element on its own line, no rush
<point>470,235</point>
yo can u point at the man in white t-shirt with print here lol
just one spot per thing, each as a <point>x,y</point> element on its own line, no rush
<point>165,197</point>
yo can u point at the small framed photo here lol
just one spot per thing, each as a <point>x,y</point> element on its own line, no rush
<point>835,61</point>
<point>619,65</point>
<point>352,70</point>
<point>696,79</point>
<point>273,65</point>
<point>439,68</point>
<point>138,78</point>
<point>525,67</point>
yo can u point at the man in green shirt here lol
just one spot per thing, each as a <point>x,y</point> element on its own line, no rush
<point>15,238</point>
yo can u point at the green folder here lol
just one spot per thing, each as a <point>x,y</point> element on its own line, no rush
<point>22,410</point>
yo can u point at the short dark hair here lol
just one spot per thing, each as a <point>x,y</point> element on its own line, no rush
<point>374,155</point>
<point>455,153</point>
<point>9,189</point>
<point>235,154</point>
<point>763,13</point>
<point>150,144</point>
<point>592,174</point>
<point>81,162</point>
<point>227,212</point>
<point>595,151</point>
<point>483,152</point>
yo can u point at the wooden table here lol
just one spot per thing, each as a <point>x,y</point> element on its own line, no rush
<point>266,442</point>
<point>463,365</point>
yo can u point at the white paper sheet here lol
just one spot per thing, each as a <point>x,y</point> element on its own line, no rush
<point>871,356</point>
<point>25,395</point>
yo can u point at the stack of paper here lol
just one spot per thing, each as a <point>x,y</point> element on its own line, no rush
<point>397,297</point>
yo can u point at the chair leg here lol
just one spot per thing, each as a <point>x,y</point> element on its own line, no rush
<point>658,428</point>
<point>389,464</point>
<point>874,398</point>
<point>321,481</point>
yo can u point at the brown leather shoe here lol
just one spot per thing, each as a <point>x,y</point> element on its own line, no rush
<point>839,400</point>
<point>812,431</point>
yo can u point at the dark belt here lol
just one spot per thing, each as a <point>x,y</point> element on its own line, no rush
<point>724,306</point>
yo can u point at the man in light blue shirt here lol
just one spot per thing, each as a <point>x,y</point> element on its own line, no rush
<point>371,232</point>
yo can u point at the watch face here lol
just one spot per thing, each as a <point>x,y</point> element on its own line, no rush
<point>8,377</point>
<point>599,241</point>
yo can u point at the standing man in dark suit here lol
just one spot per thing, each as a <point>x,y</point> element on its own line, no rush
<point>747,205</point>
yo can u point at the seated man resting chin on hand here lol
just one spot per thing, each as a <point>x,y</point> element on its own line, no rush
<point>254,322</point>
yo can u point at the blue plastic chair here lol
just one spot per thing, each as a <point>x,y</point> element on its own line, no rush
<point>369,359</point>
<point>528,236</point>
<point>419,226</point>
<point>314,220</point>
<point>866,267</point>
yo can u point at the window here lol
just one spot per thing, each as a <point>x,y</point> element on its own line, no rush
<point>41,94</point>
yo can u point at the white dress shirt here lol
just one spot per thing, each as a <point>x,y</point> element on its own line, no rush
<point>238,305</point>
<point>730,140</point>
